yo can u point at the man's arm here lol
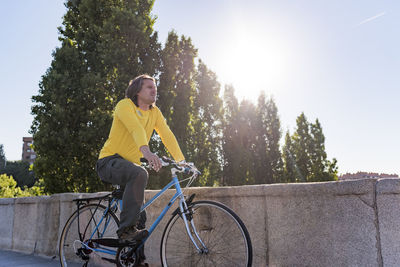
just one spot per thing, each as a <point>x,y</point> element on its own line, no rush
<point>168,138</point>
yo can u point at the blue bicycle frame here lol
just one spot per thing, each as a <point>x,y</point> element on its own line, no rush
<point>178,194</point>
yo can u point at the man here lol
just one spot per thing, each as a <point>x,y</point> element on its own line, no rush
<point>135,119</point>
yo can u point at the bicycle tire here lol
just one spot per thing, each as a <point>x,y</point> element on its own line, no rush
<point>70,234</point>
<point>222,231</point>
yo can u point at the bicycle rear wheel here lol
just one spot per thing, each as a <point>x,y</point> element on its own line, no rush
<point>90,216</point>
<point>223,233</point>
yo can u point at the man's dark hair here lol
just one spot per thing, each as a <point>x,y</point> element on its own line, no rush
<point>135,86</point>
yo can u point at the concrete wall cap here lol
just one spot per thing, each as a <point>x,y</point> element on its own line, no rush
<point>354,187</point>
<point>7,201</point>
<point>388,186</point>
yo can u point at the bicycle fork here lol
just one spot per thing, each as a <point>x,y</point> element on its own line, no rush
<point>187,216</point>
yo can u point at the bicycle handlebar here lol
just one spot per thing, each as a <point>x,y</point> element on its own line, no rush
<point>183,167</point>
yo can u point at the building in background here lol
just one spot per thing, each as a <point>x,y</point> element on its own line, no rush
<point>364,175</point>
<point>27,152</point>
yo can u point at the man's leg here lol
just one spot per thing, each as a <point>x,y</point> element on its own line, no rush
<point>140,225</point>
<point>133,197</point>
<point>116,170</point>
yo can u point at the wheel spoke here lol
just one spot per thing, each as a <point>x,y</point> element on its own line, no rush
<point>224,235</point>
<point>89,216</point>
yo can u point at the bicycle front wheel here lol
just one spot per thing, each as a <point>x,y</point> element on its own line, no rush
<point>90,222</point>
<point>224,235</point>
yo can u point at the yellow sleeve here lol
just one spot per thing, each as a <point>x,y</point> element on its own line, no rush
<point>167,137</point>
<point>126,113</point>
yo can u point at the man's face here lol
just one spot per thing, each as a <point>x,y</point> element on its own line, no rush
<point>148,94</point>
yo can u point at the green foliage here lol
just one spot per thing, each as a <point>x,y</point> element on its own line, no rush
<point>267,155</point>
<point>189,99</point>
<point>176,91</point>
<point>290,170</point>
<point>104,45</point>
<point>9,188</point>
<point>183,90</point>
<point>304,155</point>
<point>207,126</point>
<point>251,141</point>
<point>2,158</point>
<point>232,151</point>
<point>21,172</point>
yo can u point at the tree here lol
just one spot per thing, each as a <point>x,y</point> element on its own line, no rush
<point>231,140</point>
<point>245,129</point>
<point>268,158</point>
<point>176,94</point>
<point>301,141</point>
<point>9,188</point>
<point>274,135</point>
<point>104,44</point>
<point>290,170</point>
<point>184,89</point>
<point>2,158</point>
<point>321,168</point>
<point>20,170</point>
<point>263,172</point>
<point>308,151</point>
<point>207,124</point>
<point>317,152</point>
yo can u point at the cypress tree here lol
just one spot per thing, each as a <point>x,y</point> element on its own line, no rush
<point>321,168</point>
<point>231,140</point>
<point>245,129</point>
<point>263,173</point>
<point>273,136</point>
<point>301,140</point>
<point>207,124</point>
<point>104,44</point>
<point>176,92</point>
<point>290,170</point>
<point>307,147</point>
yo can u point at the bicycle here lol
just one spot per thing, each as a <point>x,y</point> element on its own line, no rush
<point>199,233</point>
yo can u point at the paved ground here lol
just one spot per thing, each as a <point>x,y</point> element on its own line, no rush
<point>16,259</point>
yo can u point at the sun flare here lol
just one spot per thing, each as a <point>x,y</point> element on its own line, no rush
<point>252,62</point>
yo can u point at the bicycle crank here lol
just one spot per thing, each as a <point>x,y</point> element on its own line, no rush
<point>126,257</point>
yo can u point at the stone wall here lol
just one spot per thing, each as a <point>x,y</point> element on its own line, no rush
<point>346,223</point>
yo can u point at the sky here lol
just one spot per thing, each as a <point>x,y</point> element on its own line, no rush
<point>336,61</point>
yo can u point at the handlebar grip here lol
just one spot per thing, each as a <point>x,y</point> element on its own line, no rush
<point>166,159</point>
<point>144,160</point>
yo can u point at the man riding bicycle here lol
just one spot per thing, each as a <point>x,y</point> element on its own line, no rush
<point>135,119</point>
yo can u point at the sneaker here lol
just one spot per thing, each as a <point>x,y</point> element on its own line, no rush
<point>133,234</point>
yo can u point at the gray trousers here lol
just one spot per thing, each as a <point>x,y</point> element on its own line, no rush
<point>116,170</point>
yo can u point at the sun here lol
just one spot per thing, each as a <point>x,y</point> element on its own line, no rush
<point>252,61</point>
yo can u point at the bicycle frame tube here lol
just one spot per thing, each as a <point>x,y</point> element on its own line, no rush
<point>101,220</point>
<point>178,193</point>
<point>101,248</point>
<point>174,182</point>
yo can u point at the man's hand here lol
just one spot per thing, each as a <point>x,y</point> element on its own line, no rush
<point>152,158</point>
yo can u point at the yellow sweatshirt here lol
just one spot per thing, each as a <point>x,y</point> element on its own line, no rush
<point>132,128</point>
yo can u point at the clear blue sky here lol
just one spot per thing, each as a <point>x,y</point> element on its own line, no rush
<point>338,61</point>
